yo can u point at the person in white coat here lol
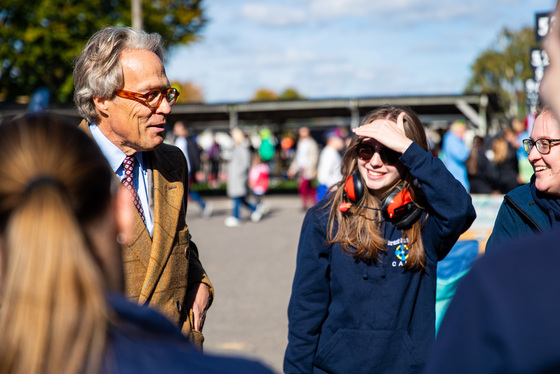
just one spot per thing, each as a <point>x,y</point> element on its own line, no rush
<point>330,161</point>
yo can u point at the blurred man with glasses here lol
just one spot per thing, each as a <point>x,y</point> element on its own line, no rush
<point>124,96</point>
<point>533,207</point>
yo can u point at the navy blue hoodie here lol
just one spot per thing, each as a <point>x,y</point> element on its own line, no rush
<point>352,316</point>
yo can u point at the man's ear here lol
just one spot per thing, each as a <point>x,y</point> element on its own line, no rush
<point>101,105</point>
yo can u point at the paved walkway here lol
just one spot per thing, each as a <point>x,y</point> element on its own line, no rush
<point>251,267</point>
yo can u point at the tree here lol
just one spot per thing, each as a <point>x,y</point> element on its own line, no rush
<point>264,94</point>
<point>40,39</point>
<point>189,92</point>
<point>290,94</point>
<point>503,69</point>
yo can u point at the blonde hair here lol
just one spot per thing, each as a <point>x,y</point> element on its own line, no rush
<point>53,183</point>
<point>360,234</point>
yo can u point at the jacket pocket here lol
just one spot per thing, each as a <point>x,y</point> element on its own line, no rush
<point>368,351</point>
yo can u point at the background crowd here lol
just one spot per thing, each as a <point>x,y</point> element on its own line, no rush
<point>493,164</point>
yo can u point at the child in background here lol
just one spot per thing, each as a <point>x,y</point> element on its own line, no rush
<point>259,178</point>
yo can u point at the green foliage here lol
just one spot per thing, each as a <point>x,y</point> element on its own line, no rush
<point>290,94</point>
<point>503,69</point>
<point>264,94</point>
<point>40,39</point>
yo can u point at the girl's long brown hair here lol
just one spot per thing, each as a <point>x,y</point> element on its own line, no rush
<point>360,233</point>
<point>54,182</point>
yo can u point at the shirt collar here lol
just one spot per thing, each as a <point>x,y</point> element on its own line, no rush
<point>112,153</point>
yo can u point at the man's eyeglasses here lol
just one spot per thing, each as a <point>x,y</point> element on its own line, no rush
<point>543,145</point>
<point>152,99</point>
<point>366,152</point>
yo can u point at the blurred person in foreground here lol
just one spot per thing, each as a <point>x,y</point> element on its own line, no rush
<point>61,279</point>
<point>533,207</point>
<point>124,96</point>
<point>504,315</point>
<point>363,295</point>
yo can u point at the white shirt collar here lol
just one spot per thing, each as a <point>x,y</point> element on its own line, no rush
<point>112,153</point>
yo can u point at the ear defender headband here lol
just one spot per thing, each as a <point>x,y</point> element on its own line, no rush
<point>397,207</point>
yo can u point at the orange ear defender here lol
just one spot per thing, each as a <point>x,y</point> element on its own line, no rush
<point>397,207</point>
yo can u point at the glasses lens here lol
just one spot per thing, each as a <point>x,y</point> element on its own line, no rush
<point>543,146</point>
<point>365,152</point>
<point>172,95</point>
<point>388,156</point>
<point>527,145</point>
<point>154,98</point>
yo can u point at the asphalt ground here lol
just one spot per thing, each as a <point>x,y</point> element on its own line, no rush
<point>251,268</point>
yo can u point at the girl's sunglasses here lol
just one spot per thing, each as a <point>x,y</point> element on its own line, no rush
<point>388,156</point>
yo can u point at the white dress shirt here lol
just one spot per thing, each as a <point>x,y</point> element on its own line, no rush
<point>116,157</point>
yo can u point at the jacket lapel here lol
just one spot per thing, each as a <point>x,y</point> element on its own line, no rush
<point>168,194</point>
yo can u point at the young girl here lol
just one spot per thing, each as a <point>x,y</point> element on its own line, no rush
<point>363,297</point>
<point>259,178</point>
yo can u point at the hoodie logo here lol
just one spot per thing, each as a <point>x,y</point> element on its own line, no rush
<point>402,252</point>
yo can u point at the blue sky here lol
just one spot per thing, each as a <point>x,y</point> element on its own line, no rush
<point>344,48</point>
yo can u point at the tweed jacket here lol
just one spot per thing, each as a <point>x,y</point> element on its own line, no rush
<point>160,270</point>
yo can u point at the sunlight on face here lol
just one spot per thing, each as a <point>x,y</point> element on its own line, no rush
<point>546,167</point>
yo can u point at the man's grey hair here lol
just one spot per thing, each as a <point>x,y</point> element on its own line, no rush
<point>98,70</point>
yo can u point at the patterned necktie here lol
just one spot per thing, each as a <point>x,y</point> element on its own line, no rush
<point>128,165</point>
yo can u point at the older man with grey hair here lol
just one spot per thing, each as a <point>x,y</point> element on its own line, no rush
<point>124,96</point>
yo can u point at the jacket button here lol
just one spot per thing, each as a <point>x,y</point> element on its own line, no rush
<point>179,306</point>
